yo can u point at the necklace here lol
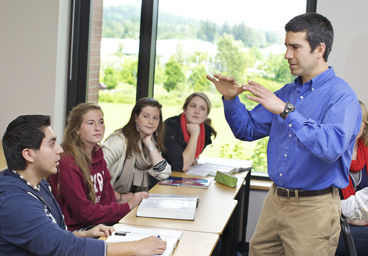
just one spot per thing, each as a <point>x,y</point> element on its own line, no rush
<point>27,182</point>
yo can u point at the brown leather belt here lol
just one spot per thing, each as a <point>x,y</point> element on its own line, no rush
<point>291,192</point>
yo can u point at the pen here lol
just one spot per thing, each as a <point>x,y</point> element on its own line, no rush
<point>245,169</point>
<point>121,233</point>
<point>242,170</point>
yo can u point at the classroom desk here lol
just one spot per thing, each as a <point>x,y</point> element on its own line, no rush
<point>215,190</point>
<point>191,243</point>
<point>220,211</point>
<point>3,164</point>
<point>215,201</point>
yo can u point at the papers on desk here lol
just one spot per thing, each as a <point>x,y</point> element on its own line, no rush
<point>182,208</point>
<point>186,182</point>
<point>172,196</point>
<point>202,170</point>
<point>209,166</point>
<point>127,233</point>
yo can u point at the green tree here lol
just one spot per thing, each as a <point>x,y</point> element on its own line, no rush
<point>234,153</point>
<point>198,79</point>
<point>230,59</point>
<point>121,21</point>
<point>119,51</point>
<point>131,29</point>
<point>254,55</point>
<point>180,53</point>
<point>274,37</point>
<point>199,57</point>
<point>174,75</point>
<point>110,78</point>
<point>207,31</point>
<point>260,155</point>
<point>277,69</point>
<point>226,29</point>
<point>129,71</point>
<point>159,72</point>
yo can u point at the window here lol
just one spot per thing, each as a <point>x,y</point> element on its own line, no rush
<point>244,39</point>
<point>119,61</point>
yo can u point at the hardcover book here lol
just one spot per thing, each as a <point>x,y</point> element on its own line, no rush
<point>182,208</point>
<point>186,182</point>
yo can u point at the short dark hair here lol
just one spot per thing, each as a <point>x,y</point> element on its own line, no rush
<point>319,30</point>
<point>26,131</point>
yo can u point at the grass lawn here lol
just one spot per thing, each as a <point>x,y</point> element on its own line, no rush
<point>117,115</point>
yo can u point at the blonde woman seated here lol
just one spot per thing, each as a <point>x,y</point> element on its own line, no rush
<point>82,184</point>
<point>133,153</point>
<point>188,134</point>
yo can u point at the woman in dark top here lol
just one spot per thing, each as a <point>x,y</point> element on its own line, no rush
<point>187,135</point>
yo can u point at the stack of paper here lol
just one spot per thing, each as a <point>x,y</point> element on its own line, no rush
<point>209,166</point>
<point>182,208</point>
<point>127,233</point>
<point>186,182</point>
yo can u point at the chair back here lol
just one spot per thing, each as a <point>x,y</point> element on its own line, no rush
<point>348,239</point>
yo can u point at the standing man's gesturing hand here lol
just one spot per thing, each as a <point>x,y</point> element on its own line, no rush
<point>227,86</point>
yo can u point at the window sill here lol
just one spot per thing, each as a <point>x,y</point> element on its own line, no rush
<point>260,181</point>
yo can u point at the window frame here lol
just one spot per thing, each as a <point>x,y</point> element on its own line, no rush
<point>79,50</point>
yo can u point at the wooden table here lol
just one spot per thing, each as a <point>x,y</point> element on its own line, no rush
<point>3,164</point>
<point>240,193</point>
<point>215,190</point>
<point>219,210</point>
<point>196,244</point>
<point>192,243</point>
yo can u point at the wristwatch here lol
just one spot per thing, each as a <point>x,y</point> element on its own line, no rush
<point>288,109</point>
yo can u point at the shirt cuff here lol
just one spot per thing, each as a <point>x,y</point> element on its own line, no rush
<point>161,166</point>
<point>95,247</point>
<point>231,104</point>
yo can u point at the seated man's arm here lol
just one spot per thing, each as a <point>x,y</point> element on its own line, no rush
<point>356,206</point>
<point>24,224</point>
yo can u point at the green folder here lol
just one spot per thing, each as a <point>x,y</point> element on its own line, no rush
<point>226,180</point>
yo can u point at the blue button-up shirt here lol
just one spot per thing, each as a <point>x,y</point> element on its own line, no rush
<point>312,148</point>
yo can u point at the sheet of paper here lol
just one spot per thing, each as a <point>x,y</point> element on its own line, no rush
<point>235,163</point>
<point>170,242</point>
<point>201,170</point>
<point>133,234</point>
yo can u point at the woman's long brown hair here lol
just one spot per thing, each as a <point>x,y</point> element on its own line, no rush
<point>73,144</point>
<point>130,130</point>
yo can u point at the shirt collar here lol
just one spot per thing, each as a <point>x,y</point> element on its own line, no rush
<point>316,81</point>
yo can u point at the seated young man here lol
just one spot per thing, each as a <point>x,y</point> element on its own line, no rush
<point>31,222</point>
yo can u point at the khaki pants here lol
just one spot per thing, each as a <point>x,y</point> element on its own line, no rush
<point>297,226</point>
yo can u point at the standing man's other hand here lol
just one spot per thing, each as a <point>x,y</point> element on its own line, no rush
<point>227,86</point>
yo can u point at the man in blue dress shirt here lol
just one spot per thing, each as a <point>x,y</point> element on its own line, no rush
<point>312,124</point>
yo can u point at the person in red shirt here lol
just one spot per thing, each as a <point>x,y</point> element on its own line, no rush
<point>82,184</point>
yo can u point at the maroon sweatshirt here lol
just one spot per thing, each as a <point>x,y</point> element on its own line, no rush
<point>72,197</point>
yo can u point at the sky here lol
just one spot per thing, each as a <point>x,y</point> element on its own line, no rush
<point>263,14</point>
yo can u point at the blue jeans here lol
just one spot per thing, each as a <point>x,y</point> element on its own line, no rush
<point>360,237</point>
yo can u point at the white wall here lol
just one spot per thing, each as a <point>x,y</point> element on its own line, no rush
<point>349,52</point>
<point>33,62</point>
